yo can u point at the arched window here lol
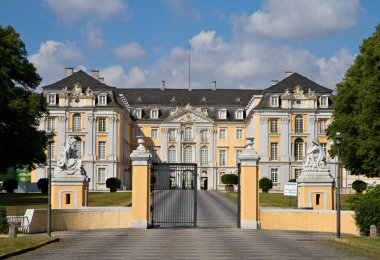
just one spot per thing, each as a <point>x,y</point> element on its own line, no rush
<point>204,155</point>
<point>77,123</point>
<point>172,154</point>
<point>299,124</point>
<point>188,134</point>
<point>298,149</point>
<point>188,155</point>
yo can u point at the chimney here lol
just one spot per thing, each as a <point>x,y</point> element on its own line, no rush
<point>162,84</point>
<point>69,71</point>
<point>288,73</point>
<point>213,85</point>
<point>95,74</point>
<point>274,81</point>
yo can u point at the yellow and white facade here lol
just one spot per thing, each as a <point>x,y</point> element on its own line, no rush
<point>204,126</point>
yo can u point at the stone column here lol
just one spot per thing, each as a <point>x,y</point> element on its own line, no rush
<point>249,187</point>
<point>140,186</point>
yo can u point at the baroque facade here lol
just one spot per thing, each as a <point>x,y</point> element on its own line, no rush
<point>204,126</point>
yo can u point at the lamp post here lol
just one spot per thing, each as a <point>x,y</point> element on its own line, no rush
<point>338,142</point>
<point>50,139</point>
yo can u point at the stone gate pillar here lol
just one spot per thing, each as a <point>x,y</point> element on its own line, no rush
<point>140,186</point>
<point>249,187</point>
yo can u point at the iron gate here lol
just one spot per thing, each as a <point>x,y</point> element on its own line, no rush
<point>173,195</point>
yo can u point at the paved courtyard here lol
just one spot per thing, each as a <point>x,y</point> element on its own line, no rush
<point>216,238</point>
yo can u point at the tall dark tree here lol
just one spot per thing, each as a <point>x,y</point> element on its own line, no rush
<point>357,112</point>
<point>20,107</point>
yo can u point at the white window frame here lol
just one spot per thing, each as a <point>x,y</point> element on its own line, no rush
<point>188,134</point>
<point>101,179</point>
<point>239,114</point>
<point>102,153</point>
<point>172,154</point>
<point>298,150</point>
<point>274,175</point>
<point>324,101</point>
<point>138,113</point>
<point>273,125</point>
<point>77,122</point>
<point>51,151</point>
<point>298,124</point>
<point>239,133</point>
<point>102,99</point>
<point>154,114</point>
<point>188,154</point>
<point>51,99</point>
<point>275,101</point>
<point>154,133</point>
<point>273,153</point>
<point>51,124</point>
<point>222,157</point>
<point>204,135</point>
<point>222,133</point>
<point>322,126</point>
<point>297,173</point>
<point>102,124</point>
<point>222,113</point>
<point>172,134</point>
<point>204,155</point>
<point>237,154</point>
<point>80,144</point>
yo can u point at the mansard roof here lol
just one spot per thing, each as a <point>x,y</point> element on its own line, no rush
<point>82,78</point>
<point>294,80</point>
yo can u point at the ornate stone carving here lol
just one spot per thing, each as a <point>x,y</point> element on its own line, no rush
<point>264,119</point>
<point>62,118</point>
<point>298,91</point>
<point>89,92</point>
<point>65,91</point>
<point>316,156</point>
<point>77,89</point>
<point>311,94</point>
<point>68,162</point>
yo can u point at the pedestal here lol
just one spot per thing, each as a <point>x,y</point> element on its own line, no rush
<point>69,192</point>
<point>316,189</point>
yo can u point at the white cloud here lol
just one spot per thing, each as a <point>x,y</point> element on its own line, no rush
<point>131,50</point>
<point>94,35</point>
<point>73,10</point>
<point>115,76</point>
<point>183,8</point>
<point>207,41</point>
<point>52,58</point>
<point>300,19</point>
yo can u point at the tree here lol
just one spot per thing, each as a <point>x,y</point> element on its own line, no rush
<point>359,186</point>
<point>10,185</point>
<point>265,184</point>
<point>43,185</point>
<point>113,184</point>
<point>230,179</point>
<point>20,107</point>
<point>357,111</point>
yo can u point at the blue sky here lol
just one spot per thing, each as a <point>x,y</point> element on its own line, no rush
<point>240,43</point>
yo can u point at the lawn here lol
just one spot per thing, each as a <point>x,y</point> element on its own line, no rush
<point>8,245</point>
<point>281,201</point>
<point>17,203</point>
<point>369,245</point>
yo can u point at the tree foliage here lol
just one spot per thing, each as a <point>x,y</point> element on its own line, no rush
<point>20,107</point>
<point>3,221</point>
<point>113,184</point>
<point>43,185</point>
<point>367,209</point>
<point>265,184</point>
<point>357,111</point>
<point>359,186</point>
<point>230,179</point>
<point>10,185</point>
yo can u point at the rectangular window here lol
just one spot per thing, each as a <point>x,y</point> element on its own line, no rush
<point>273,151</point>
<point>188,134</point>
<point>171,135</point>
<point>239,133</point>
<point>204,156</point>
<point>102,125</point>
<point>238,152</point>
<point>322,126</point>
<point>324,101</point>
<point>324,146</point>
<point>222,133</point>
<point>138,113</point>
<point>274,175</point>
<point>80,145</point>
<point>154,133</point>
<point>239,114</point>
<point>52,151</point>
<point>137,132</point>
<point>102,150</point>
<point>52,99</point>
<point>223,114</point>
<point>154,114</point>
<point>273,126</point>
<point>68,199</point>
<point>154,153</point>
<point>172,157</point>
<point>51,124</point>
<point>274,101</point>
<point>297,173</point>
<point>204,135</point>
<point>101,175</point>
<point>222,157</point>
<point>77,123</point>
<point>102,100</point>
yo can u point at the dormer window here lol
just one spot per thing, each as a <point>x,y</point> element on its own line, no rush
<point>154,113</point>
<point>203,99</point>
<point>324,101</point>
<point>139,99</point>
<point>102,99</point>
<point>275,101</point>
<point>223,113</point>
<point>238,99</point>
<point>173,99</point>
<point>138,113</point>
<point>52,99</point>
<point>239,114</point>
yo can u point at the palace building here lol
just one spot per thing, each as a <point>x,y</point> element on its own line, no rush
<point>204,126</point>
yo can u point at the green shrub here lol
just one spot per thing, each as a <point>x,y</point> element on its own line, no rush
<point>367,209</point>
<point>265,184</point>
<point>3,221</point>
<point>359,186</point>
<point>113,184</point>
<point>292,180</point>
<point>229,179</point>
<point>10,185</point>
<point>43,185</point>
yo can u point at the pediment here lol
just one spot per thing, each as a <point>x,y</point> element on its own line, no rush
<point>189,115</point>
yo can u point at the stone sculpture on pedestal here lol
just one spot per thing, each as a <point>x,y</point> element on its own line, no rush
<point>68,162</point>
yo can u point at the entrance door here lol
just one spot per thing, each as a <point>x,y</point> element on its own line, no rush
<point>173,195</point>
